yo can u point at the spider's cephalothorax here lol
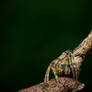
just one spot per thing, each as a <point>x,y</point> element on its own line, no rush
<point>62,65</point>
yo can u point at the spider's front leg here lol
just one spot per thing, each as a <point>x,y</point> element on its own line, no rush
<point>55,74</point>
<point>47,74</point>
<point>53,68</point>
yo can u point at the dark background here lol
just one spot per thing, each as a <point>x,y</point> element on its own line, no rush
<point>34,32</point>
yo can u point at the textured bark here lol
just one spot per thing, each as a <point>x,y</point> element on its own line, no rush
<point>66,84</point>
<point>83,48</point>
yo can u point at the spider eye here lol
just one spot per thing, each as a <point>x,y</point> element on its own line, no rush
<point>61,65</point>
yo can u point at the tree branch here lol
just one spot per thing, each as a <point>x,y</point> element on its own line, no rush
<point>81,51</point>
<point>66,84</point>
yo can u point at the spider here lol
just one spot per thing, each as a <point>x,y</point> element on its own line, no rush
<point>64,64</point>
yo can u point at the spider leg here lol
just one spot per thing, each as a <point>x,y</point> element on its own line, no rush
<point>74,73</point>
<point>51,67</point>
<point>77,71</point>
<point>70,61</point>
<point>56,76</point>
<point>47,74</point>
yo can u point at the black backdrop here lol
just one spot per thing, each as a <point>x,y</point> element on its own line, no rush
<point>34,32</point>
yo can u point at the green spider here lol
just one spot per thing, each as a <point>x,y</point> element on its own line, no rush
<point>64,64</point>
